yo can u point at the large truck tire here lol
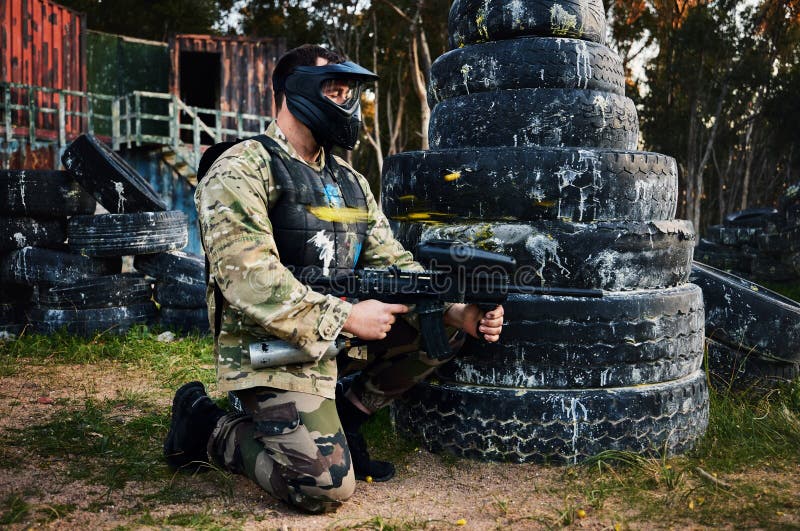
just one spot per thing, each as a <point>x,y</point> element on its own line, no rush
<point>526,63</point>
<point>16,233</point>
<point>472,21</point>
<point>529,183</point>
<point>623,339</point>
<point>114,183</point>
<point>735,368</point>
<point>32,265</point>
<point>108,291</point>
<point>176,265</point>
<point>535,117</point>
<point>43,194</point>
<point>90,321</point>
<point>607,255</point>
<point>561,426</point>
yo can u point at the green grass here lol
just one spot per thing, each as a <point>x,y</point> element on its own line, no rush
<point>108,443</point>
<point>113,442</point>
<point>189,358</point>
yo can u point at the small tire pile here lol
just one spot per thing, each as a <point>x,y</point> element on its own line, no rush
<point>762,244</point>
<point>64,262</point>
<point>180,289</point>
<point>533,155</point>
<point>753,334</point>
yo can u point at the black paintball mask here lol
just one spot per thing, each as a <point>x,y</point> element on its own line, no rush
<point>327,99</point>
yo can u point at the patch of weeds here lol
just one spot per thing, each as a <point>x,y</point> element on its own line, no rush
<point>198,520</point>
<point>747,428</point>
<point>194,520</point>
<point>188,358</point>
<point>51,513</point>
<point>378,523</point>
<point>501,506</point>
<point>14,509</point>
<point>99,444</point>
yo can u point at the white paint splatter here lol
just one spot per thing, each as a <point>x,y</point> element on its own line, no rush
<point>465,70</point>
<point>20,239</point>
<point>583,64</point>
<point>120,189</point>
<point>604,105</point>
<point>324,245</point>
<point>517,9</point>
<point>22,189</point>
<point>573,415</point>
<point>544,249</point>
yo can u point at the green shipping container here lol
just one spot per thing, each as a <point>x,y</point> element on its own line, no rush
<point>119,65</point>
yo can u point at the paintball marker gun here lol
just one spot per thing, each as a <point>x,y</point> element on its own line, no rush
<point>456,273</point>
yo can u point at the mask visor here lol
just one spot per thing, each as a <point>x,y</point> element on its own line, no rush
<point>346,93</point>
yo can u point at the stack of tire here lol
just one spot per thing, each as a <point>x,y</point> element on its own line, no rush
<point>756,243</point>
<point>782,238</point>
<point>137,223</point>
<point>180,289</point>
<point>36,207</point>
<point>533,155</point>
<point>78,285</point>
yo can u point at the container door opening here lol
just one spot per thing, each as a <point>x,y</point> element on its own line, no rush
<point>200,78</point>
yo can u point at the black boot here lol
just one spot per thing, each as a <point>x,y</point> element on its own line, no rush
<point>352,418</point>
<point>194,416</point>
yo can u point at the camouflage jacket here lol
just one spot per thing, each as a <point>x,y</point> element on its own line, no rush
<point>261,297</point>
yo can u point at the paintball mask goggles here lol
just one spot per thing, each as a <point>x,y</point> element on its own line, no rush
<point>327,99</point>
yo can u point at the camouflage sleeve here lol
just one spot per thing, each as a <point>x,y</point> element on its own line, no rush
<point>232,204</point>
<point>381,249</point>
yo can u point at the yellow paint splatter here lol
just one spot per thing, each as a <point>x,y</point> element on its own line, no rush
<point>409,197</point>
<point>339,215</point>
<point>480,21</point>
<point>461,521</point>
<point>452,176</point>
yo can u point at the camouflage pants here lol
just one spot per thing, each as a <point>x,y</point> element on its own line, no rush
<point>289,443</point>
<point>394,366</point>
<point>292,444</point>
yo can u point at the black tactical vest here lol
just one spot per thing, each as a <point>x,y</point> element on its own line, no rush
<point>308,230</point>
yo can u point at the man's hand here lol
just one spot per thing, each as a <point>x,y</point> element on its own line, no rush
<point>371,320</point>
<point>472,320</point>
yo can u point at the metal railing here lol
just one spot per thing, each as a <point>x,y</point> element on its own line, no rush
<point>46,116</point>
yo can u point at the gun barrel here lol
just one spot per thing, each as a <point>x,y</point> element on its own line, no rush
<point>556,291</point>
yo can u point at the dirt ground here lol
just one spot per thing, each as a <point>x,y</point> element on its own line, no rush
<point>428,492</point>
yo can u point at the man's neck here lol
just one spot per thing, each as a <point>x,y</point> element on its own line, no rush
<point>298,135</point>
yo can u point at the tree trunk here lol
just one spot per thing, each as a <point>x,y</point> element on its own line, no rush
<point>418,82</point>
<point>374,137</point>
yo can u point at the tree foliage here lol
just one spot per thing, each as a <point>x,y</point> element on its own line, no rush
<point>394,38</point>
<point>719,95</point>
<point>151,19</point>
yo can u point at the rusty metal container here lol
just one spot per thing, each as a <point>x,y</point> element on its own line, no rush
<point>230,74</point>
<point>43,44</point>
